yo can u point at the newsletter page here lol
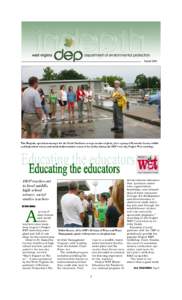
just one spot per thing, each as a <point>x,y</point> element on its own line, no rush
<point>90,146</point>
<point>90,150</point>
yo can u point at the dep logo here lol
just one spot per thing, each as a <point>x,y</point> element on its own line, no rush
<point>147,164</point>
<point>68,55</point>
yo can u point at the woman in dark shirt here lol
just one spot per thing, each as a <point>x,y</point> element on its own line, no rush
<point>112,216</point>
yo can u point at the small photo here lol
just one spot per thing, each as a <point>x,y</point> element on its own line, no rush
<point>90,203</point>
<point>90,102</point>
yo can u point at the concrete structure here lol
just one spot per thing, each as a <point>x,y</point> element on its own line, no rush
<point>96,85</point>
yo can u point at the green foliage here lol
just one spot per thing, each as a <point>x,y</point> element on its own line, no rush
<point>48,74</point>
<point>63,75</point>
<point>69,74</point>
<point>142,82</point>
<point>110,80</point>
<point>154,82</point>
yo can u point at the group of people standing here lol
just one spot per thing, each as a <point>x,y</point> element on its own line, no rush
<point>81,210</point>
<point>36,107</point>
<point>68,99</point>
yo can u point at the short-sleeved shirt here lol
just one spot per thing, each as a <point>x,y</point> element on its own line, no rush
<point>71,207</point>
<point>119,90</point>
<point>71,97</point>
<point>31,100</point>
<point>155,99</point>
<point>63,95</point>
<point>52,98</point>
<point>112,215</point>
<point>102,211</point>
<point>79,95</point>
<point>85,204</point>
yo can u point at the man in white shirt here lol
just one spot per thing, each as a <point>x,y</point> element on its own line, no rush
<point>72,208</point>
<point>32,109</point>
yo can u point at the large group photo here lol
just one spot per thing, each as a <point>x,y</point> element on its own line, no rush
<point>90,203</point>
<point>90,102</point>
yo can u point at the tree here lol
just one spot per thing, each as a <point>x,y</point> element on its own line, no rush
<point>110,80</point>
<point>154,82</point>
<point>70,75</point>
<point>141,81</point>
<point>48,74</point>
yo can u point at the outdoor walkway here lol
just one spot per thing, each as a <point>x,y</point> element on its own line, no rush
<point>144,112</point>
<point>139,111</point>
<point>99,128</point>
